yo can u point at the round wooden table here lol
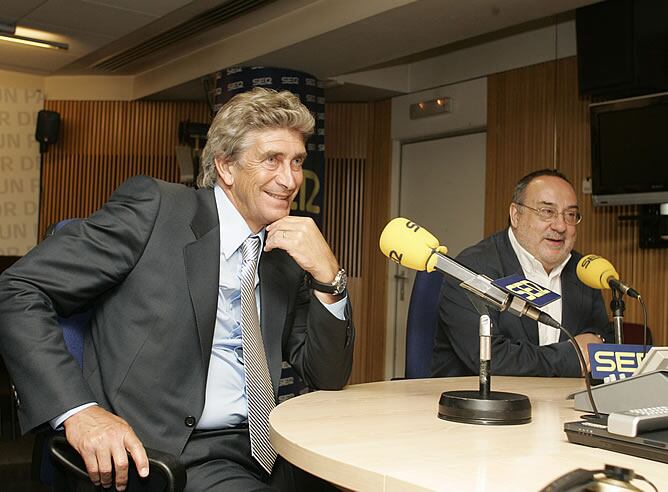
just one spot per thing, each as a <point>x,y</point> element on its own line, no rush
<point>387,436</point>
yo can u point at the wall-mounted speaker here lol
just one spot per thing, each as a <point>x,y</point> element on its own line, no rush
<point>622,48</point>
<point>48,128</point>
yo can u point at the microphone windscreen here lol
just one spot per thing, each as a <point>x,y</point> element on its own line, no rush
<point>595,272</point>
<point>410,245</point>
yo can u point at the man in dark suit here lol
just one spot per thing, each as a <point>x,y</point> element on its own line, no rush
<point>538,245</point>
<point>166,361</point>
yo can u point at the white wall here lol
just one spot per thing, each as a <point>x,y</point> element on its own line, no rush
<point>89,88</point>
<point>20,100</point>
<point>521,49</point>
<point>468,111</point>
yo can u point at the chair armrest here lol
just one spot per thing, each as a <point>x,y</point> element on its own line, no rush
<point>166,473</point>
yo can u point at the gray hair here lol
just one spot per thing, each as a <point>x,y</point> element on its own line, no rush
<point>521,186</point>
<point>248,112</point>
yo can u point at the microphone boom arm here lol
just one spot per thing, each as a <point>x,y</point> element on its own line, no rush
<point>493,296</point>
<point>476,283</point>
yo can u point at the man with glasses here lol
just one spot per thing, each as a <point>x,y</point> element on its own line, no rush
<point>538,245</point>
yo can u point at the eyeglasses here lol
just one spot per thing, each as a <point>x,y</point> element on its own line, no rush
<point>549,214</point>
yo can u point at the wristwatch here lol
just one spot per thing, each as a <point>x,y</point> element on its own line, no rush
<point>337,287</point>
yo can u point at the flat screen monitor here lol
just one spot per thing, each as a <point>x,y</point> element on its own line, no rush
<point>629,151</point>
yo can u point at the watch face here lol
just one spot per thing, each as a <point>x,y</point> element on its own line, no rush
<point>341,281</point>
<point>337,286</point>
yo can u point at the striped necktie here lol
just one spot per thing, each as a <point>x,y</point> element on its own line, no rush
<point>258,382</point>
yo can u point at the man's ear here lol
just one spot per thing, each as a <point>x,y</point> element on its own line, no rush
<point>223,168</point>
<point>513,213</point>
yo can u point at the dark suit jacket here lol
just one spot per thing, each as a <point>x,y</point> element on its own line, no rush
<point>515,349</point>
<point>148,263</point>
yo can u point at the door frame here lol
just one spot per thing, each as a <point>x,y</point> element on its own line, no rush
<point>393,268</point>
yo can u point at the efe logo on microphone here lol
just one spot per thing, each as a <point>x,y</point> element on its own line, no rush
<point>536,295</point>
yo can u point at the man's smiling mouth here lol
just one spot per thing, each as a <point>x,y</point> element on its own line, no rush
<point>278,197</point>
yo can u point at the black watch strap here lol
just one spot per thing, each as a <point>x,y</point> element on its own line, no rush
<point>336,287</point>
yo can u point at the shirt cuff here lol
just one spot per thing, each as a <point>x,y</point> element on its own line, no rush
<point>57,423</point>
<point>338,309</point>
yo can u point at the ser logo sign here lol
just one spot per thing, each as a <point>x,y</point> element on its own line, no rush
<point>525,289</point>
<point>617,360</point>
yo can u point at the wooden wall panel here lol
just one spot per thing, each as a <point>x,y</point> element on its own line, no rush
<point>344,181</point>
<point>536,119</point>
<point>358,159</point>
<point>520,134</point>
<point>376,215</point>
<point>101,144</point>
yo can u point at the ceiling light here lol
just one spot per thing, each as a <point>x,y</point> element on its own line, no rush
<point>7,33</point>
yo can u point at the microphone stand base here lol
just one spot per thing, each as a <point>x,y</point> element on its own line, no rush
<point>469,407</point>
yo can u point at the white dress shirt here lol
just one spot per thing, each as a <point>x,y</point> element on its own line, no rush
<point>226,401</point>
<point>534,271</point>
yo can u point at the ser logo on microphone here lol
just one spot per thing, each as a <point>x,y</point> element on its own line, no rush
<point>393,254</point>
<point>412,225</point>
<point>396,257</point>
<point>525,289</point>
<point>587,260</point>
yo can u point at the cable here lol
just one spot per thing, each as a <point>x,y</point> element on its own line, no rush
<point>640,477</point>
<point>645,330</point>
<point>583,366</point>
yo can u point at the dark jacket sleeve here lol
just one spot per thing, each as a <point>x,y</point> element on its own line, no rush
<point>319,345</point>
<point>59,277</point>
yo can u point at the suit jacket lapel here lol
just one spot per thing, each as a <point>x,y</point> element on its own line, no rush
<point>202,260</point>
<point>571,299</point>
<point>274,303</point>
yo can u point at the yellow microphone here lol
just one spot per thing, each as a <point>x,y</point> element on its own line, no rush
<point>598,273</point>
<point>412,246</point>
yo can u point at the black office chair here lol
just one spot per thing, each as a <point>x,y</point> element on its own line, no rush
<point>421,323</point>
<point>634,334</point>
<point>56,464</point>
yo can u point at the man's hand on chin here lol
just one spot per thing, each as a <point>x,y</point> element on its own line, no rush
<point>303,241</point>
<point>104,440</point>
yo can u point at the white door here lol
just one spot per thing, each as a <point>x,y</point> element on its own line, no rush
<point>442,188</point>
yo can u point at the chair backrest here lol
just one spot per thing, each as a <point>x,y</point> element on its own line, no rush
<point>422,322</point>
<point>634,334</point>
<point>74,327</point>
